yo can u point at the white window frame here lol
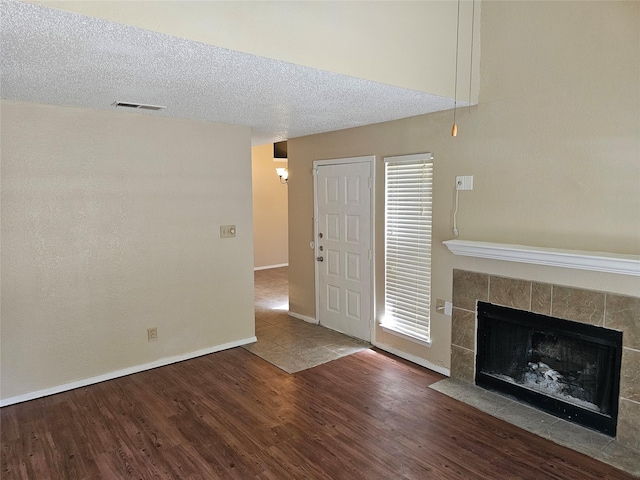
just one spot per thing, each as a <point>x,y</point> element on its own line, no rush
<point>408,316</point>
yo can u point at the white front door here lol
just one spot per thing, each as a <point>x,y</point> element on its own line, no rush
<point>343,247</point>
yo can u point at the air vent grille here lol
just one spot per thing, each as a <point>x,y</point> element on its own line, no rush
<point>139,106</point>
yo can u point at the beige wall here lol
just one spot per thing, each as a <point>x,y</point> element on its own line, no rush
<point>554,148</point>
<point>110,225</point>
<point>402,43</point>
<point>270,215</point>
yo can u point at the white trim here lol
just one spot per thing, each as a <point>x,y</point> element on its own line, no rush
<point>372,257</point>
<point>124,372</point>
<point>555,257</point>
<point>340,161</point>
<point>398,333</point>
<point>371,159</point>
<point>412,358</point>
<point>426,156</point>
<point>268,267</point>
<point>302,317</point>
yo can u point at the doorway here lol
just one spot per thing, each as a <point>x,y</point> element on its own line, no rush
<point>343,203</point>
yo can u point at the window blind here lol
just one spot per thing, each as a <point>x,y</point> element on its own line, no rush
<point>408,210</point>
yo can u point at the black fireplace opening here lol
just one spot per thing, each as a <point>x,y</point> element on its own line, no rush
<point>566,368</point>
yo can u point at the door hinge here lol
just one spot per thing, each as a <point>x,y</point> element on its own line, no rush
<point>315,172</point>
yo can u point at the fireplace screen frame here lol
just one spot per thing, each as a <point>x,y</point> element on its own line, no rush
<point>488,313</point>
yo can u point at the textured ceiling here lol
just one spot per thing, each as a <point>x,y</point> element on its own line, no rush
<point>56,57</point>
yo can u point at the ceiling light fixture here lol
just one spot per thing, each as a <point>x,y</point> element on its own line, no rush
<point>454,129</point>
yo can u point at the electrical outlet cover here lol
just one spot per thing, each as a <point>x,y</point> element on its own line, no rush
<point>448,308</point>
<point>152,334</point>
<point>464,182</point>
<point>227,231</point>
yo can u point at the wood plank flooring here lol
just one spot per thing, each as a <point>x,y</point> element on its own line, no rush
<point>232,415</point>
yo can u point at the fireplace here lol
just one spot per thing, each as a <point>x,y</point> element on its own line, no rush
<point>569,369</point>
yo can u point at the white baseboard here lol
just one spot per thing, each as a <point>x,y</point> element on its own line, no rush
<point>412,358</point>
<point>302,317</point>
<point>268,267</point>
<point>121,373</point>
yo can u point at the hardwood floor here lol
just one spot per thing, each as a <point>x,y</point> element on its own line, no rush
<point>233,415</point>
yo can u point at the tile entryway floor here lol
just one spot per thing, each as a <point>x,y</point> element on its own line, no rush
<point>286,342</point>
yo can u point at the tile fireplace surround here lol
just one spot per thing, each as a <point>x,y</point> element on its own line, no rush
<point>618,312</point>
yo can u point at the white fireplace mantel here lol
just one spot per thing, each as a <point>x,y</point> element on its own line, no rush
<point>596,261</point>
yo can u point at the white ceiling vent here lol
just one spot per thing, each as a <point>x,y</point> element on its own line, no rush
<point>139,106</point>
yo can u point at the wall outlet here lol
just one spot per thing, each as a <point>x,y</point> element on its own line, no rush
<point>464,182</point>
<point>152,334</point>
<point>448,308</point>
<point>443,306</point>
<point>227,231</point>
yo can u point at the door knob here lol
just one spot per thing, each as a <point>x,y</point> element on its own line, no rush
<point>320,259</point>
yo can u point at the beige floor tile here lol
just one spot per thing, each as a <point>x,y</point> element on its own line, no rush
<point>526,417</point>
<point>578,438</point>
<point>484,400</point>
<point>289,343</point>
<point>620,456</point>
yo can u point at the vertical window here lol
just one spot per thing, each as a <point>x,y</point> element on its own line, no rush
<point>408,209</point>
